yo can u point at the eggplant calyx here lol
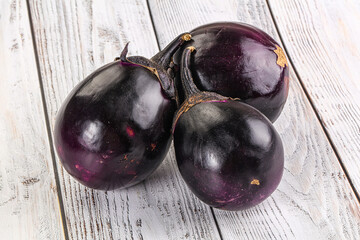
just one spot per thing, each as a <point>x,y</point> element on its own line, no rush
<point>163,77</point>
<point>165,80</point>
<point>159,64</point>
<point>143,62</point>
<point>200,97</point>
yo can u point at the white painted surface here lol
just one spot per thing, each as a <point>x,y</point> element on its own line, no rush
<point>322,38</point>
<point>29,206</point>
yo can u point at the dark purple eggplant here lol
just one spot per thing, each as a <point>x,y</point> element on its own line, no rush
<point>239,61</point>
<point>228,153</point>
<point>114,128</point>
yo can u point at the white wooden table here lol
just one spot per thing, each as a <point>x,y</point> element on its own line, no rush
<point>47,47</point>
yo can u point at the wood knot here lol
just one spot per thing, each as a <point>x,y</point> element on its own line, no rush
<point>30,181</point>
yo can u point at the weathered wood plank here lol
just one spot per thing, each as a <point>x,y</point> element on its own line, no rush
<point>74,38</point>
<point>314,199</point>
<point>29,206</point>
<point>322,39</point>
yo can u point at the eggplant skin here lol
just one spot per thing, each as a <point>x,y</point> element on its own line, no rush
<point>239,61</point>
<point>114,129</point>
<point>229,154</point>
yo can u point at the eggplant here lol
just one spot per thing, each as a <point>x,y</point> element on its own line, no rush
<point>228,153</point>
<point>239,61</point>
<point>114,129</point>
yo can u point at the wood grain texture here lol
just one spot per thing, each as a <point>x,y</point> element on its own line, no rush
<point>322,38</point>
<point>314,199</point>
<point>74,38</point>
<point>29,206</point>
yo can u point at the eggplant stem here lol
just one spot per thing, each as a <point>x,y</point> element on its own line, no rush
<point>186,37</point>
<point>163,58</point>
<point>187,81</point>
<point>193,95</point>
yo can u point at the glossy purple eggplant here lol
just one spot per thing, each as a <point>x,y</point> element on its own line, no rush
<point>239,61</point>
<point>114,128</point>
<point>228,153</point>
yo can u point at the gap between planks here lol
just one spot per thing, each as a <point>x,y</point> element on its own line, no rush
<point>153,25</point>
<point>312,103</point>
<point>48,128</point>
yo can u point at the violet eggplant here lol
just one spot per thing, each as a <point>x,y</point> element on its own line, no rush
<point>228,153</point>
<point>239,61</point>
<point>114,128</point>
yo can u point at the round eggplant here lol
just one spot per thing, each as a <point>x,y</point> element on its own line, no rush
<point>114,128</point>
<point>228,153</point>
<point>239,61</point>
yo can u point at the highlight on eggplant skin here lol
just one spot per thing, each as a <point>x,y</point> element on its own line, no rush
<point>239,61</point>
<point>114,129</point>
<point>228,153</point>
